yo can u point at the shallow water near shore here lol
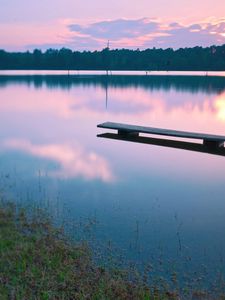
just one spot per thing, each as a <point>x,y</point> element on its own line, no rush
<point>147,204</point>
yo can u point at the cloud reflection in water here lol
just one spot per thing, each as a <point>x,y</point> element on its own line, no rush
<point>74,161</point>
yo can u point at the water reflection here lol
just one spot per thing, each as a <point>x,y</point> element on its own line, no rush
<point>193,84</point>
<point>219,106</point>
<point>73,161</point>
<point>49,150</point>
<point>56,116</point>
<point>166,143</point>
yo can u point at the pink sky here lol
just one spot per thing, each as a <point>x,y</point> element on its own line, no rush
<point>82,25</point>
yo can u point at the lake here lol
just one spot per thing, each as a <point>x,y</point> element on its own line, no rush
<point>153,206</point>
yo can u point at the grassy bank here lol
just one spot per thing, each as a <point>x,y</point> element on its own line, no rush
<point>38,262</point>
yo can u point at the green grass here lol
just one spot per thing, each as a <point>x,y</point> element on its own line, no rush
<point>38,262</point>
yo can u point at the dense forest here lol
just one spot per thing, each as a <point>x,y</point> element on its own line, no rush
<point>197,58</point>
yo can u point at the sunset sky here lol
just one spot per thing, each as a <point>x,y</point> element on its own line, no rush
<point>89,24</point>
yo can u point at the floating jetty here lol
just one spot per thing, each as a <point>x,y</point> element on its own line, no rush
<point>207,143</point>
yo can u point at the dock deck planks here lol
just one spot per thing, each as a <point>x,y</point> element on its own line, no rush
<point>209,140</point>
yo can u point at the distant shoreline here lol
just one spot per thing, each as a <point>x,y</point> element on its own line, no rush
<point>109,73</point>
<point>183,59</point>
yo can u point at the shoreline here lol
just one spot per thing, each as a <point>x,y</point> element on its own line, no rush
<point>109,73</point>
<point>37,261</point>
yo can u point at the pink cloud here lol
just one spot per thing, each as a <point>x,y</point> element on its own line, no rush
<point>147,33</point>
<point>129,33</point>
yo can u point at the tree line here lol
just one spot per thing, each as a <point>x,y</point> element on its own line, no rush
<point>183,59</point>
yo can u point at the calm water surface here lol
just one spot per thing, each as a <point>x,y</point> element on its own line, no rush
<point>154,205</point>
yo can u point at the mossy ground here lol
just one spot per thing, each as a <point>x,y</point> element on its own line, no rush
<point>38,262</point>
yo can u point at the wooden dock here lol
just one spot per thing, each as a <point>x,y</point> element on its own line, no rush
<point>208,143</point>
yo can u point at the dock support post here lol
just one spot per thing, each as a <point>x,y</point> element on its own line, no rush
<point>128,133</point>
<point>213,144</point>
